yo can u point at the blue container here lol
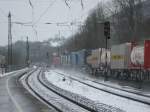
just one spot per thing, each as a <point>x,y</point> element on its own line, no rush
<point>74,58</point>
<point>80,57</point>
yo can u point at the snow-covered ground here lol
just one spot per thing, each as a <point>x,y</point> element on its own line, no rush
<point>51,97</point>
<point>94,94</point>
<point>13,72</point>
<point>85,76</point>
<point>130,93</point>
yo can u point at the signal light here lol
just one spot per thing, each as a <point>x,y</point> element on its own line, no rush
<point>107,29</point>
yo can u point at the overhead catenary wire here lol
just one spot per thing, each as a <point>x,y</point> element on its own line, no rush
<point>82,4</point>
<point>31,5</point>
<point>3,13</point>
<point>35,31</point>
<point>17,1</point>
<point>32,24</point>
<point>67,4</point>
<point>45,11</point>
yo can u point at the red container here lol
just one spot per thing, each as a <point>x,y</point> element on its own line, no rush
<point>56,60</point>
<point>147,54</point>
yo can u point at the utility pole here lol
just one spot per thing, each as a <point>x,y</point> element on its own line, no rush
<point>47,57</point>
<point>27,55</point>
<point>9,43</point>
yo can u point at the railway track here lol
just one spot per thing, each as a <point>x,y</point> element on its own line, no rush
<point>138,97</point>
<point>57,100</point>
<point>77,99</point>
<point>79,104</point>
<point>133,92</point>
<point>75,108</point>
<point>38,96</point>
<point>24,80</point>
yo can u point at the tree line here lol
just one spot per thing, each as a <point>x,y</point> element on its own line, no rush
<point>39,52</point>
<point>129,22</point>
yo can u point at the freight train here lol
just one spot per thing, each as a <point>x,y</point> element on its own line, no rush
<point>127,60</point>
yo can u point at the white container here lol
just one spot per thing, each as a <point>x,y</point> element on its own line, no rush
<point>103,57</point>
<point>2,59</point>
<point>137,56</point>
<point>98,58</point>
<point>94,58</point>
<point>120,56</point>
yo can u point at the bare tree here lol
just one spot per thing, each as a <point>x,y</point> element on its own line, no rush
<point>91,34</point>
<point>127,19</point>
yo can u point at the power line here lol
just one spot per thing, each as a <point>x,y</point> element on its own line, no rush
<point>67,4</point>
<point>31,5</point>
<point>44,12</point>
<point>3,13</point>
<point>11,1</point>
<point>29,24</point>
<point>82,4</point>
<point>21,1</point>
<point>35,31</point>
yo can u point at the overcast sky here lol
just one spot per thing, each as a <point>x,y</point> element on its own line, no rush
<point>53,11</point>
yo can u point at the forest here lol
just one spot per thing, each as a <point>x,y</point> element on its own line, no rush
<point>129,22</point>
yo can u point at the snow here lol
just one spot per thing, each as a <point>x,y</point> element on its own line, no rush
<point>13,72</point>
<point>94,94</point>
<point>94,106</point>
<point>114,90</point>
<point>84,76</point>
<point>59,102</point>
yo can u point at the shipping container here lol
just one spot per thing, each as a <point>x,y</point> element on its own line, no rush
<point>63,59</point>
<point>81,55</point>
<point>137,56</point>
<point>94,59</point>
<point>73,58</point>
<point>56,61</point>
<point>78,58</point>
<point>147,54</point>
<point>120,56</point>
<point>98,58</point>
<point>103,59</point>
<point>2,60</point>
<point>68,59</point>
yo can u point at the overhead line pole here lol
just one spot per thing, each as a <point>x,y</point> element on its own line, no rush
<point>107,36</point>
<point>27,55</point>
<point>9,42</point>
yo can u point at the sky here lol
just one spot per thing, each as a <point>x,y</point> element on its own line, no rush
<point>43,11</point>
